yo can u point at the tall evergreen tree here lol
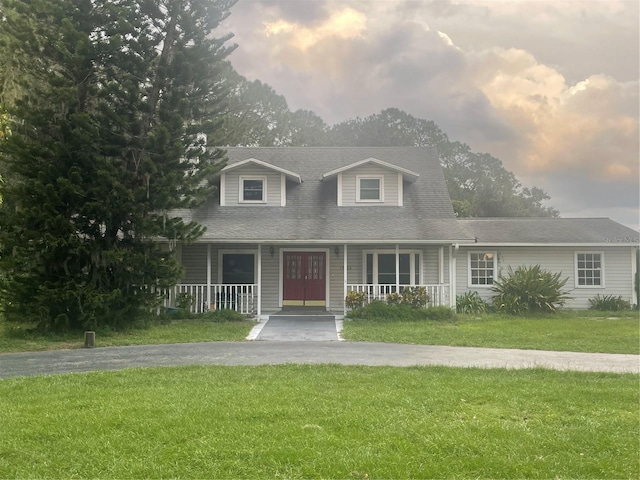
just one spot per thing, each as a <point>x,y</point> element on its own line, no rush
<point>109,134</point>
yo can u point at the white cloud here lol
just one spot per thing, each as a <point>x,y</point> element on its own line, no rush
<point>550,88</point>
<point>345,23</point>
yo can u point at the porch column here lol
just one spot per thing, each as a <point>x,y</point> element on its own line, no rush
<point>397,268</point>
<point>344,279</point>
<point>453,251</point>
<point>208,276</point>
<point>259,283</point>
<point>441,265</point>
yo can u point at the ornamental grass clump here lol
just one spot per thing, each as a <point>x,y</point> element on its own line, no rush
<point>529,290</point>
<point>609,303</point>
<point>471,303</point>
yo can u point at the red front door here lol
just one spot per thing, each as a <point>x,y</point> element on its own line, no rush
<point>304,279</point>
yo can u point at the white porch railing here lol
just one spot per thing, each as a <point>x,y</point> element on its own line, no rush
<point>241,298</point>
<point>438,294</point>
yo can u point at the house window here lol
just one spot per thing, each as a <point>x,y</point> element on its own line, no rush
<point>253,189</point>
<point>370,189</point>
<point>589,270</point>
<point>482,268</point>
<point>238,268</point>
<point>380,268</point>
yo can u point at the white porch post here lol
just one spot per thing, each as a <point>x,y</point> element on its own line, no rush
<point>208,276</point>
<point>441,265</point>
<point>259,282</point>
<point>453,251</point>
<point>397,268</point>
<point>634,267</point>
<point>344,279</point>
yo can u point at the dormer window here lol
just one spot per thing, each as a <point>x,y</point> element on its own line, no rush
<point>370,188</point>
<point>253,189</point>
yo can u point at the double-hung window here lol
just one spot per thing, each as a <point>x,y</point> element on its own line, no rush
<point>370,188</point>
<point>253,189</point>
<point>482,269</point>
<point>589,270</point>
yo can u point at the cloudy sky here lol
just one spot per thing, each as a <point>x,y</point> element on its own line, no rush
<point>548,86</point>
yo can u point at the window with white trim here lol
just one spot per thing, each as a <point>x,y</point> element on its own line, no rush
<point>253,189</point>
<point>482,269</point>
<point>380,268</point>
<point>370,188</point>
<point>589,270</point>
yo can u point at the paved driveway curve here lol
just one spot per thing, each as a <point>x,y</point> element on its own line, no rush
<point>278,352</point>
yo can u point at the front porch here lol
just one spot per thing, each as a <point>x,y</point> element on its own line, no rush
<point>260,280</point>
<point>199,298</point>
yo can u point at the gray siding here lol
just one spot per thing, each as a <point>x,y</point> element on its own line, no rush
<point>270,279</point>
<point>194,261</point>
<point>617,270</point>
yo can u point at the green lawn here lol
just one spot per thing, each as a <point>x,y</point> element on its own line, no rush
<point>13,339</point>
<point>567,331</point>
<point>617,332</point>
<point>320,422</point>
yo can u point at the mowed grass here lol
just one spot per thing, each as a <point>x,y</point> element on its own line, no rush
<point>20,339</point>
<point>320,422</point>
<point>617,332</point>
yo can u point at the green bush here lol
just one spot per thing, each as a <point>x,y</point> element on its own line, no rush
<point>221,316</point>
<point>379,311</point>
<point>438,313</point>
<point>184,301</point>
<point>609,303</point>
<point>471,302</point>
<point>355,299</point>
<point>414,296</point>
<point>529,290</point>
<point>394,298</point>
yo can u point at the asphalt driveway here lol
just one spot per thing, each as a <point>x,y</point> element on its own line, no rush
<point>307,352</point>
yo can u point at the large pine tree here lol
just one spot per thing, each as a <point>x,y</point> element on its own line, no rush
<point>109,134</point>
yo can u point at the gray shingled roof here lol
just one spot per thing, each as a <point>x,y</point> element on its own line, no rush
<point>549,230</point>
<point>312,213</point>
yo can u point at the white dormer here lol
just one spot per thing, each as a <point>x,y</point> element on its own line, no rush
<point>371,182</point>
<point>254,182</point>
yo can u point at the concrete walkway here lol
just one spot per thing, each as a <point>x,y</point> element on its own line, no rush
<point>281,352</point>
<point>294,328</point>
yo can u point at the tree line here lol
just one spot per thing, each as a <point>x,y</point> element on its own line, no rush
<point>110,115</point>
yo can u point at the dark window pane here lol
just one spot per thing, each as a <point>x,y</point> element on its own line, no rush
<point>369,268</point>
<point>237,268</point>
<point>369,189</point>
<point>252,190</point>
